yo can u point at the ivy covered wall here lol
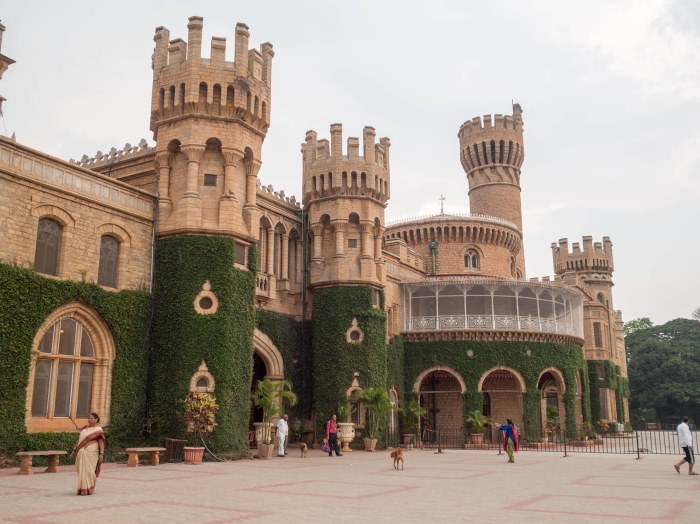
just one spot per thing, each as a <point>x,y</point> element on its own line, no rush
<point>335,359</point>
<point>182,338</point>
<point>292,339</point>
<point>569,359</point>
<point>27,300</point>
<point>607,374</point>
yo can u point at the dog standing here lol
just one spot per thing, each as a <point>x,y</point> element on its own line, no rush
<point>304,448</point>
<point>397,455</point>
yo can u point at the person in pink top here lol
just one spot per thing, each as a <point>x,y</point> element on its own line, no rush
<point>332,436</point>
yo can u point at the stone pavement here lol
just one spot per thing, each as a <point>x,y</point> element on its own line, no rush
<point>455,486</point>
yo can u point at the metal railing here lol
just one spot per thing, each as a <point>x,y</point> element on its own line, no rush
<point>658,442</point>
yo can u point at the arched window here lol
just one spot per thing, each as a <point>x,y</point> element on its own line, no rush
<point>109,258</point>
<point>48,244</point>
<point>471,259</point>
<point>64,371</point>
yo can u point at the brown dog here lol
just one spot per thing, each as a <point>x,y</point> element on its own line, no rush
<point>304,448</point>
<point>397,455</point>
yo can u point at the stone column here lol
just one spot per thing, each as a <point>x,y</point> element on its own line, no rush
<point>285,257</point>
<point>252,167</point>
<point>339,231</point>
<point>317,231</point>
<point>163,163</point>
<point>270,251</point>
<point>194,156</point>
<point>231,159</point>
<point>379,236</point>
<point>300,261</point>
<point>366,229</point>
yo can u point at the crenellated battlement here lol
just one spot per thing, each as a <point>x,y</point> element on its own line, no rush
<point>185,83</point>
<point>363,170</point>
<point>590,257</point>
<point>492,141</point>
<point>115,155</point>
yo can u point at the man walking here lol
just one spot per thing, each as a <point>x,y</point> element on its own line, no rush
<point>685,439</point>
<point>282,432</point>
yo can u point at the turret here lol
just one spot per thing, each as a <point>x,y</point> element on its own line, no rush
<point>594,262</point>
<point>345,195</point>
<point>492,152</point>
<point>209,118</point>
<point>5,62</point>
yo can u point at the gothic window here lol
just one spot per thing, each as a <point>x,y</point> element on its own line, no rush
<point>48,243</point>
<point>109,258</point>
<point>64,371</point>
<point>597,335</point>
<point>471,259</point>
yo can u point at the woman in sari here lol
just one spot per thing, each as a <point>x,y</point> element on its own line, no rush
<point>89,452</point>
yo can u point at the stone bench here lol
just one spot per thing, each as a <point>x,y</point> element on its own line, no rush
<point>153,458</point>
<point>25,467</point>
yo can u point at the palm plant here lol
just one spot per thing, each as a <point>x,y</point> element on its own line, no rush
<point>377,403</point>
<point>476,421</point>
<point>411,413</point>
<point>269,396</point>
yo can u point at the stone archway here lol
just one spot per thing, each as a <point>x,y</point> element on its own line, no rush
<point>503,389</point>
<point>440,391</point>
<point>267,363</point>
<point>552,387</point>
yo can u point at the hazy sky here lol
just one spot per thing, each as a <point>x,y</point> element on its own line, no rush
<point>610,92</point>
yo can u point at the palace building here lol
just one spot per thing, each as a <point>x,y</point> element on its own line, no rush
<point>133,277</point>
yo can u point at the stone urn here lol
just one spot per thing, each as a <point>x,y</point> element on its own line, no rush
<point>259,426</point>
<point>346,432</point>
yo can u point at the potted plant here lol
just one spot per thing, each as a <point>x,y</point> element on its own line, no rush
<point>411,414</point>
<point>269,395</point>
<point>200,418</point>
<point>476,421</point>
<point>346,430</point>
<point>376,402</point>
<point>551,427</point>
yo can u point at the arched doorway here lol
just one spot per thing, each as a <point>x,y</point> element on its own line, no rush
<point>267,363</point>
<point>503,397</point>
<point>440,392</point>
<point>551,387</point>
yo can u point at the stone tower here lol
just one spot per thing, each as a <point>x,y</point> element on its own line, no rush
<point>492,153</point>
<point>5,62</point>
<point>591,269</point>
<point>345,196</point>
<point>209,118</point>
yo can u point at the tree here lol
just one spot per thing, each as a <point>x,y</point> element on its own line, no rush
<point>696,314</point>
<point>664,369</point>
<point>637,324</point>
<point>269,396</point>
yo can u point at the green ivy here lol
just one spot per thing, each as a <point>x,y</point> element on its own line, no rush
<point>182,338</point>
<point>606,374</point>
<point>335,359</point>
<point>569,359</point>
<point>288,335</point>
<point>27,300</point>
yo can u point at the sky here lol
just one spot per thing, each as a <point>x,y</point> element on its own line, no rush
<point>610,92</point>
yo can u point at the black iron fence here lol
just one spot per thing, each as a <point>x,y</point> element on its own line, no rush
<point>664,442</point>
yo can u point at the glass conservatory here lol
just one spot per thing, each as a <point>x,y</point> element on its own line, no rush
<point>489,304</point>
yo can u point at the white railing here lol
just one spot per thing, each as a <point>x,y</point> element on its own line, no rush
<point>489,322</point>
<point>451,216</point>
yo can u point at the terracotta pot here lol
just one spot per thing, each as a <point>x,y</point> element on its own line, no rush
<point>370,444</point>
<point>407,440</point>
<point>193,455</point>
<point>477,438</point>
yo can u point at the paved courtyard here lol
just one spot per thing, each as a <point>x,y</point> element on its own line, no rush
<point>455,486</point>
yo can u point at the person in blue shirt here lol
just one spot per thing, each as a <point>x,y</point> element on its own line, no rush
<point>510,440</point>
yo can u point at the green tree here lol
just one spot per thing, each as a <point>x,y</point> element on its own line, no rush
<point>664,369</point>
<point>637,324</point>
